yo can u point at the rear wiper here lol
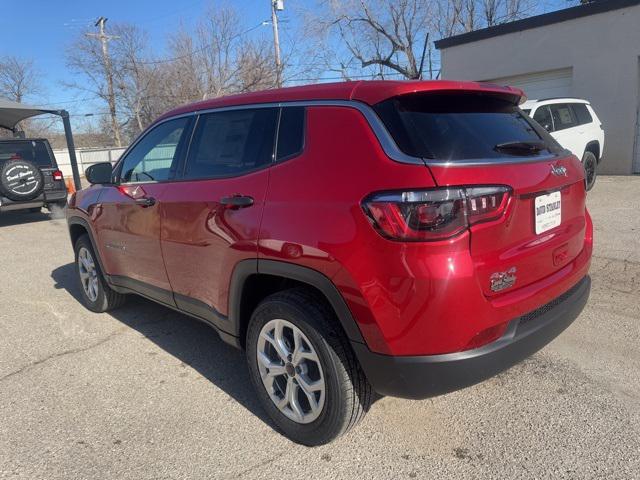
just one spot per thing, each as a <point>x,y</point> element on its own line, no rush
<point>521,146</point>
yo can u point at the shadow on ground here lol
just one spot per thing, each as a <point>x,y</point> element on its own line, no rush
<point>21,217</point>
<point>190,341</point>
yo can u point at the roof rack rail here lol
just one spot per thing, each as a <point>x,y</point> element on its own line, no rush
<point>561,98</point>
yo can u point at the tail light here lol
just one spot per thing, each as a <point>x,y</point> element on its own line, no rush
<point>57,175</point>
<point>435,214</point>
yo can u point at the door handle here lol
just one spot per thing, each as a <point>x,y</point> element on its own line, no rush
<point>237,201</point>
<point>145,202</point>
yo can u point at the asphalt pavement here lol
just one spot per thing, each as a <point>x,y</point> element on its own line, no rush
<point>146,393</point>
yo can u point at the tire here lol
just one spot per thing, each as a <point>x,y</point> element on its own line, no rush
<point>21,180</point>
<point>98,297</point>
<point>590,165</point>
<point>346,394</point>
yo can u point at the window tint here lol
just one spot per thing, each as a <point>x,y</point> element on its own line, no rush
<point>155,157</point>
<point>35,151</point>
<point>562,116</point>
<point>291,132</point>
<point>543,117</point>
<point>581,113</point>
<point>232,143</point>
<point>461,126</point>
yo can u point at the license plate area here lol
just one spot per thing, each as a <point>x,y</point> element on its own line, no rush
<point>547,212</point>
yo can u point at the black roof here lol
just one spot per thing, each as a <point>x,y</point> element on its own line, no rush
<point>597,6</point>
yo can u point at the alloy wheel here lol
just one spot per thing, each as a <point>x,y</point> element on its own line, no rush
<point>290,371</point>
<point>88,274</point>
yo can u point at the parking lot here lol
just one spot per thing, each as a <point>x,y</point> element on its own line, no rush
<point>145,392</point>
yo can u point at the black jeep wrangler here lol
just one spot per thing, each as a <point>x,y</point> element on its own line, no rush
<point>29,176</point>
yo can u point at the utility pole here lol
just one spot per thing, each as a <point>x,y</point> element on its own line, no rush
<point>106,61</point>
<point>277,6</point>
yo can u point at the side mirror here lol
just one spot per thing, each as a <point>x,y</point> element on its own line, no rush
<point>99,173</point>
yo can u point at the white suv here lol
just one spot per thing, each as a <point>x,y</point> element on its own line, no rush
<point>574,124</point>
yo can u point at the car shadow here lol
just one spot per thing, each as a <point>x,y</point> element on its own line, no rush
<point>192,342</point>
<point>22,217</point>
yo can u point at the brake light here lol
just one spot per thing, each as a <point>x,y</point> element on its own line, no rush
<point>57,175</point>
<point>435,214</point>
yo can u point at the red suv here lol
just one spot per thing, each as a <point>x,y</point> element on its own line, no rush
<point>403,238</point>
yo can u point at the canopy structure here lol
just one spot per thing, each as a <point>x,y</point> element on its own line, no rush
<point>13,112</point>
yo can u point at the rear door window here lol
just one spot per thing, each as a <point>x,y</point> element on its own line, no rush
<point>563,116</point>
<point>543,116</point>
<point>581,113</point>
<point>232,143</point>
<point>454,127</point>
<point>36,151</point>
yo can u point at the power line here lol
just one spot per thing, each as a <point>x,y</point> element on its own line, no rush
<point>66,102</point>
<point>202,49</point>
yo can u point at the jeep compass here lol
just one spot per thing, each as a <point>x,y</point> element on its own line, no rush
<point>391,238</point>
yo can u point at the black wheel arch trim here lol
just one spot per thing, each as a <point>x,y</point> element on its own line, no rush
<point>595,143</point>
<point>246,268</point>
<point>71,221</point>
<point>241,273</point>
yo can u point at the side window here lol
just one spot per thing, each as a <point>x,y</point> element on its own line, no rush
<point>290,132</point>
<point>581,113</point>
<point>543,116</point>
<point>562,116</point>
<point>232,143</point>
<point>155,157</point>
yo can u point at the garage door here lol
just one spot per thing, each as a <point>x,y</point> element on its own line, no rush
<point>552,83</point>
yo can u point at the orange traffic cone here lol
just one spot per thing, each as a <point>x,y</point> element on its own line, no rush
<point>71,188</point>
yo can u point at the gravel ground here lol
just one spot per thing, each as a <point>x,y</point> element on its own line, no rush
<point>147,393</point>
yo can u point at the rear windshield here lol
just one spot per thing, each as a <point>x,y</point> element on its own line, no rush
<point>35,151</point>
<point>463,126</point>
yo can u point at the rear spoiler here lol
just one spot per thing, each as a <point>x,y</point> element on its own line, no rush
<point>373,92</point>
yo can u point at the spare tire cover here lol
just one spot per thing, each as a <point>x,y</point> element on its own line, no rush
<point>21,180</point>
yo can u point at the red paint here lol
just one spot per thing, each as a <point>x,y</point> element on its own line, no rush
<point>409,298</point>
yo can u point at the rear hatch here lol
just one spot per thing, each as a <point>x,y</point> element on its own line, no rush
<point>481,139</point>
<point>38,152</point>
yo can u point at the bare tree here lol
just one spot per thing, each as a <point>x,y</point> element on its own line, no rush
<point>133,77</point>
<point>18,78</point>
<point>218,59</point>
<point>387,35</point>
<point>469,15</point>
<point>84,58</point>
<point>379,38</point>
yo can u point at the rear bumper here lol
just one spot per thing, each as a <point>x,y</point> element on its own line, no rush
<point>420,377</point>
<point>47,197</point>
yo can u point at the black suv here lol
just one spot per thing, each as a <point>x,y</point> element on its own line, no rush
<point>29,176</point>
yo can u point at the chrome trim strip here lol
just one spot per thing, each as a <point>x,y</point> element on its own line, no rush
<point>487,162</point>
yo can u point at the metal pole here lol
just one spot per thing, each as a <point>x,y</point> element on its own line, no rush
<point>72,148</point>
<point>276,43</point>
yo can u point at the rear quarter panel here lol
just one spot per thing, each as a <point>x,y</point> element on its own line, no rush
<point>313,214</point>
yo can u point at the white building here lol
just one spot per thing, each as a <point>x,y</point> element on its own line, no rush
<point>591,51</point>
